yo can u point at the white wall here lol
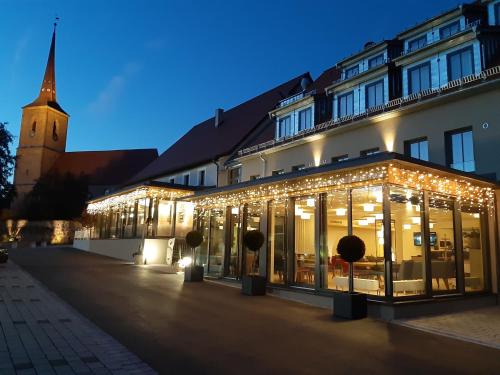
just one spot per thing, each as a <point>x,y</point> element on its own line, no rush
<point>210,175</point>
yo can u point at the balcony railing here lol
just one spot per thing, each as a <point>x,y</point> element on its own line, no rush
<point>436,38</point>
<point>362,69</point>
<point>452,86</point>
<point>294,98</point>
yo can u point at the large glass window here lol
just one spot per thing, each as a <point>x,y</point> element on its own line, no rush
<point>367,224</point>
<point>183,218</point>
<point>417,43</point>
<point>165,213</point>
<point>202,226</point>
<point>335,270</point>
<point>142,215</point>
<point>217,243</point>
<point>113,229</point>
<point>305,254</point>
<point>417,148</point>
<point>460,64</point>
<point>254,214</point>
<point>449,30</point>
<point>419,78</point>
<point>276,241</point>
<point>129,221</point>
<point>442,244</point>
<point>232,267</point>
<point>346,104</point>
<point>374,94</point>
<point>284,127</point>
<point>305,119</point>
<point>408,265</point>
<point>460,150</point>
<point>472,239</point>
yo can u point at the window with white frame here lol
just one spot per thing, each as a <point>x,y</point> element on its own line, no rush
<point>351,72</point>
<point>305,119</point>
<point>449,30</point>
<point>374,94</point>
<point>376,61</point>
<point>417,43</point>
<point>346,104</point>
<point>460,63</point>
<point>419,78</point>
<point>284,126</point>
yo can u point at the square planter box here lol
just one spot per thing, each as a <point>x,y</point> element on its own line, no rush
<point>252,285</point>
<point>193,273</point>
<point>349,306</point>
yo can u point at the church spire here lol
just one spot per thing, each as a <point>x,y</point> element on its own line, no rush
<point>47,95</point>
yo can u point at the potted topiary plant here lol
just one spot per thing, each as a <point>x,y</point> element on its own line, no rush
<point>349,304</point>
<point>253,284</point>
<point>193,272</point>
<point>4,255</point>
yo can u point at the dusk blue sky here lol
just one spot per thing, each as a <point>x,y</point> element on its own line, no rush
<point>139,74</point>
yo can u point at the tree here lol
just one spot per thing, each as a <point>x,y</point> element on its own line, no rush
<point>56,196</point>
<point>7,163</point>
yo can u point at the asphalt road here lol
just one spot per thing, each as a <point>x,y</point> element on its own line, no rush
<point>205,328</point>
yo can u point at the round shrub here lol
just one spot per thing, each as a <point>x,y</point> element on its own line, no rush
<point>194,239</point>
<point>351,248</point>
<point>253,239</point>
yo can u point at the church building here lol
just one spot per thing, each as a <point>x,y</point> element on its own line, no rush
<point>42,146</point>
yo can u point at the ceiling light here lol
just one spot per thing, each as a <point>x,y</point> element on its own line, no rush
<point>379,216</point>
<point>305,216</point>
<point>368,207</point>
<point>406,226</point>
<point>363,222</point>
<point>415,220</point>
<point>310,202</point>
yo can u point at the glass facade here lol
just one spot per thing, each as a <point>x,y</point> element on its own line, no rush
<point>232,257</point>
<point>253,222</point>
<point>276,245</point>
<point>216,242</point>
<point>304,241</point>
<point>474,256</point>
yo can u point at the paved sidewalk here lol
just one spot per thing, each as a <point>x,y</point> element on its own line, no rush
<point>42,335</point>
<point>480,326</point>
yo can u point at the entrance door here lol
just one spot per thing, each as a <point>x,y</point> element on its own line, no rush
<point>232,258</point>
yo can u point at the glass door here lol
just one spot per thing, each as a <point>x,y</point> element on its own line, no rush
<point>250,258</point>
<point>232,258</point>
<point>305,241</point>
<point>276,242</point>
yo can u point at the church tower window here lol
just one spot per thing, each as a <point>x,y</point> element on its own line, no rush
<point>33,128</point>
<point>54,132</point>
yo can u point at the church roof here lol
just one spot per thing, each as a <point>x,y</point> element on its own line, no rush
<point>47,95</point>
<point>105,167</point>
<point>206,142</point>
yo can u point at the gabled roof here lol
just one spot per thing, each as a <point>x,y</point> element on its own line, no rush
<point>108,168</point>
<point>205,142</point>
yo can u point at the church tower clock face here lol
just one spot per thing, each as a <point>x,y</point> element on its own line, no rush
<point>44,127</point>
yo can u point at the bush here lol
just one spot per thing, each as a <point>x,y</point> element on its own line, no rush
<point>194,239</point>
<point>351,248</point>
<point>253,240</point>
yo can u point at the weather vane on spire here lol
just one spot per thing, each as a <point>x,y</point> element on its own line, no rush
<point>55,22</point>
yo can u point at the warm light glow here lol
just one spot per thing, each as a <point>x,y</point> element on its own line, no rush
<point>235,210</point>
<point>381,241</point>
<point>185,262</point>
<point>415,220</point>
<point>340,211</point>
<point>363,222</point>
<point>431,225</point>
<point>378,196</point>
<point>476,215</point>
<point>368,207</point>
<point>298,211</point>
<point>417,208</point>
<point>379,216</point>
<point>406,226</point>
<point>370,219</point>
<point>310,202</point>
<point>305,216</point>
<point>409,206</point>
<point>389,138</point>
<point>380,233</point>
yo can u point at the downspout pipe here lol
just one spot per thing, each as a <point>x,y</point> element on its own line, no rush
<point>264,164</point>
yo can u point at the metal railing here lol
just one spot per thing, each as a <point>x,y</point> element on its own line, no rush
<point>455,85</point>
<point>294,98</point>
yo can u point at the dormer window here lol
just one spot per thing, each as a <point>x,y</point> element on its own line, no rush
<point>284,127</point>
<point>305,119</point>
<point>375,94</point>
<point>33,129</point>
<point>346,104</point>
<point>351,72</point>
<point>54,132</point>
<point>449,30</point>
<point>460,64</point>
<point>417,43</point>
<point>376,61</point>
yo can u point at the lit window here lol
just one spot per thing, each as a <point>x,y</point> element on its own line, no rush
<point>419,78</point>
<point>376,61</point>
<point>460,150</point>
<point>346,104</point>
<point>449,30</point>
<point>417,148</point>
<point>375,94</point>
<point>460,64</point>
<point>351,72</point>
<point>417,43</point>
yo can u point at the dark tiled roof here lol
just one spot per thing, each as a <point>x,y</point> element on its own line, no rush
<point>326,79</point>
<point>108,168</point>
<point>205,142</point>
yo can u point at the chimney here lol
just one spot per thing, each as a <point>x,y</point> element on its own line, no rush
<point>218,116</point>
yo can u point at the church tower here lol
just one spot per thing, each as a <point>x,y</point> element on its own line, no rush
<point>43,131</point>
